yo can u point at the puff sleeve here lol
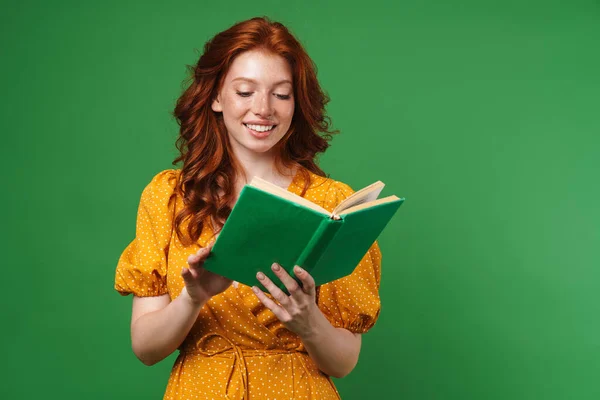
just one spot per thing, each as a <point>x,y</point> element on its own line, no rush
<point>353,302</point>
<point>142,267</point>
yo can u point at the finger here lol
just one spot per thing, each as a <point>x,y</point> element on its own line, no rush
<point>290,283</point>
<point>189,275</point>
<point>279,311</point>
<point>277,293</point>
<point>199,257</point>
<point>193,258</point>
<point>308,282</point>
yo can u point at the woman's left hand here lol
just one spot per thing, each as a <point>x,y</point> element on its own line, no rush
<point>299,310</point>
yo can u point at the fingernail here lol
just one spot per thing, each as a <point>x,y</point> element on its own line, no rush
<point>298,270</point>
<point>260,276</point>
<point>255,289</point>
<point>275,267</point>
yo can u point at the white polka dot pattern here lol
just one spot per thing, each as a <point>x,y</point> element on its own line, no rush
<point>237,348</point>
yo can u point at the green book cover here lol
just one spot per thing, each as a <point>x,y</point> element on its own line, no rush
<point>269,224</point>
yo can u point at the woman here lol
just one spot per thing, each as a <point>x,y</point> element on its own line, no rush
<point>254,108</point>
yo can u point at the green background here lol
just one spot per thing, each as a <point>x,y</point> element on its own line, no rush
<point>484,115</point>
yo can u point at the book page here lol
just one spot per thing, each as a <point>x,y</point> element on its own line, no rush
<point>284,193</point>
<point>362,206</point>
<point>364,195</point>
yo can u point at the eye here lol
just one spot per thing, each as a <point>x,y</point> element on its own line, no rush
<point>244,94</point>
<point>283,96</point>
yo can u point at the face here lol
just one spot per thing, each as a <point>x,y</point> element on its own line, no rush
<point>257,102</point>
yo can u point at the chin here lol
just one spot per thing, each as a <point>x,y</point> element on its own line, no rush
<point>261,149</point>
<point>260,146</point>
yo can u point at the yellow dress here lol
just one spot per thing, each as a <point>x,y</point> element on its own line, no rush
<point>237,348</point>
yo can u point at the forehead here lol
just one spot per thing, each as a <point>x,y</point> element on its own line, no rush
<point>259,67</point>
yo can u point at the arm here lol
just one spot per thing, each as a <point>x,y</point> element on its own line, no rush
<point>159,326</point>
<point>334,350</point>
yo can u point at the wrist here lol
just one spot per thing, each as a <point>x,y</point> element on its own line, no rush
<point>194,302</point>
<point>317,325</point>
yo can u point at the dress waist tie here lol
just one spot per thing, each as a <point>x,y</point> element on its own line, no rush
<point>239,360</point>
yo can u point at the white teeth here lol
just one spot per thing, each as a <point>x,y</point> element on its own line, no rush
<point>260,128</point>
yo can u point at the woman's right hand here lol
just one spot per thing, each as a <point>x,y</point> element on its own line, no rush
<point>200,283</point>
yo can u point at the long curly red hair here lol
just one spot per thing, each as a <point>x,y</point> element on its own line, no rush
<point>209,165</point>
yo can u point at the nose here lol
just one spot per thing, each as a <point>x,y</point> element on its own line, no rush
<point>262,105</point>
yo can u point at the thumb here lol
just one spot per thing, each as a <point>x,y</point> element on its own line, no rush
<point>190,276</point>
<point>211,244</point>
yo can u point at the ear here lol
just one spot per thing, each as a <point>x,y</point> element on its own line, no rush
<point>216,105</point>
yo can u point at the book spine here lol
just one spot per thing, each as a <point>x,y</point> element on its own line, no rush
<point>318,243</point>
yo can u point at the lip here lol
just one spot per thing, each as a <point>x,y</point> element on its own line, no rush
<point>259,135</point>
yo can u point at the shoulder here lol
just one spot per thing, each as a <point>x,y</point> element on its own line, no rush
<point>329,184</point>
<point>342,189</point>
<point>164,180</point>
<point>327,191</point>
<point>161,187</point>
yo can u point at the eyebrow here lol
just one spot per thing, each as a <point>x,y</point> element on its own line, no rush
<point>241,78</point>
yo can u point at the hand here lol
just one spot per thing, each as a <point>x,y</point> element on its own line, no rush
<point>200,283</point>
<point>299,310</point>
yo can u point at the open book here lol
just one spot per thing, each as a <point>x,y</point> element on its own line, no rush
<point>271,224</point>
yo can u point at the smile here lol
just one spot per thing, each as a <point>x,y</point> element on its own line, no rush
<point>260,128</point>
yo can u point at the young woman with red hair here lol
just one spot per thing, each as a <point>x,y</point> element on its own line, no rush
<point>253,107</point>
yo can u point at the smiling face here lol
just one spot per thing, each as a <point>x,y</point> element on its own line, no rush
<point>257,102</point>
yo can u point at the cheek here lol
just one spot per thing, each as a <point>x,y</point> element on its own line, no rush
<point>237,106</point>
<point>288,110</point>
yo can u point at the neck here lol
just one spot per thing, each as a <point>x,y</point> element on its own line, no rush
<point>263,166</point>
